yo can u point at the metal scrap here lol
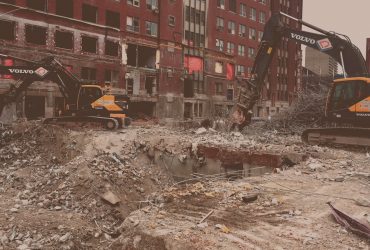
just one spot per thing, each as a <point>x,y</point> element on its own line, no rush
<point>350,223</point>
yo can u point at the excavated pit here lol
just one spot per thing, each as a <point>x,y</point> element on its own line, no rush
<point>213,160</point>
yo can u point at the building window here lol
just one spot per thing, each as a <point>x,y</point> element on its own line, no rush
<point>89,44</point>
<point>230,94</point>
<point>88,74</point>
<point>219,67</point>
<point>133,24</point>
<point>232,5</point>
<point>171,20</point>
<point>151,28</point>
<point>241,50</point>
<point>112,19</point>
<point>219,88</point>
<point>253,14</point>
<point>220,23</point>
<point>64,8</point>
<point>264,2</point>
<point>240,70</point>
<point>111,48</point>
<point>7,30</point>
<point>219,44</point>
<point>231,27</point>
<point>260,35</point>
<point>251,52</point>
<point>36,34</point>
<point>89,13</point>
<point>242,30</point>
<point>63,39</point>
<point>221,4</point>
<point>230,48</point>
<point>262,17</point>
<point>243,10</point>
<point>134,2</point>
<point>151,4</point>
<point>37,4</point>
<point>252,34</point>
<point>111,76</point>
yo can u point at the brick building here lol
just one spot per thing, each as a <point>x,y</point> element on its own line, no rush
<point>175,59</point>
<point>285,77</point>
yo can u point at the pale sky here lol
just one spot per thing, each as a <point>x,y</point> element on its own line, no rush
<point>349,17</point>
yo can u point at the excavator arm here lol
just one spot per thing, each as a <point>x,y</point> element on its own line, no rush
<point>341,49</point>
<point>48,69</point>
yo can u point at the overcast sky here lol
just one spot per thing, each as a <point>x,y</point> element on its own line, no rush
<point>349,17</point>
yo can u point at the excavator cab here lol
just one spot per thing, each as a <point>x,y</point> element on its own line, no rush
<point>349,101</point>
<point>87,95</point>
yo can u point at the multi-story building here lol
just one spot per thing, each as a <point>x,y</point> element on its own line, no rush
<point>284,78</point>
<point>320,63</point>
<point>175,59</point>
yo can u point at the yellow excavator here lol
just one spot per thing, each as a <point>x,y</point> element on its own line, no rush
<point>348,101</point>
<point>83,103</point>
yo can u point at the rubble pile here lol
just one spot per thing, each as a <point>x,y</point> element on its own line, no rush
<point>74,189</point>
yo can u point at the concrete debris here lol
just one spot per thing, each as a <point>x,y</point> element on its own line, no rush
<point>110,197</point>
<point>78,188</point>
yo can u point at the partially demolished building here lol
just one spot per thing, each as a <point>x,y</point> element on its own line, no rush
<point>175,59</point>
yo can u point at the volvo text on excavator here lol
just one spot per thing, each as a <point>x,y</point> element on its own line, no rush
<point>83,103</point>
<point>348,101</point>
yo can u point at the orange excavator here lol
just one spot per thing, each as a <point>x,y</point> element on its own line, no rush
<point>348,101</point>
<point>83,103</point>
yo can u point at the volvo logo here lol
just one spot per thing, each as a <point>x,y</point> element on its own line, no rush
<point>21,71</point>
<point>303,38</point>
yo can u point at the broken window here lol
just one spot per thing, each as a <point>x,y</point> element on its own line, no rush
<point>35,34</point>
<point>188,108</point>
<point>134,2</point>
<point>7,30</point>
<point>112,19</point>
<point>220,23</point>
<point>89,44</point>
<point>149,84</point>
<point>251,52</point>
<point>240,70</point>
<point>64,8</point>
<point>219,67</point>
<point>152,4</point>
<point>63,39</point>
<point>151,28</point>
<point>230,47</point>
<point>171,20</point>
<point>230,94</point>
<point>37,4</point>
<point>133,24</point>
<point>8,1</point>
<point>88,74</point>
<point>231,27</point>
<point>188,88</point>
<point>241,50</point>
<point>141,56</point>
<point>252,34</point>
<point>111,76</point>
<point>111,48</point>
<point>219,45</point>
<point>232,5</point>
<point>219,88</point>
<point>242,30</point>
<point>89,13</point>
<point>130,86</point>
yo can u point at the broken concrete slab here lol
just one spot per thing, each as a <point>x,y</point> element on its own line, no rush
<point>110,197</point>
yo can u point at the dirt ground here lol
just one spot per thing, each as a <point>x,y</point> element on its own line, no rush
<point>147,187</point>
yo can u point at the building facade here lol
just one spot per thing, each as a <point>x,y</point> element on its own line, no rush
<point>175,59</point>
<point>284,79</point>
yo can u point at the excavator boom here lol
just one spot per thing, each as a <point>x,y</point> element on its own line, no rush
<point>335,45</point>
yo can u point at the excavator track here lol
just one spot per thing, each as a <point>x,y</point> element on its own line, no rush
<point>108,123</point>
<point>337,136</point>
